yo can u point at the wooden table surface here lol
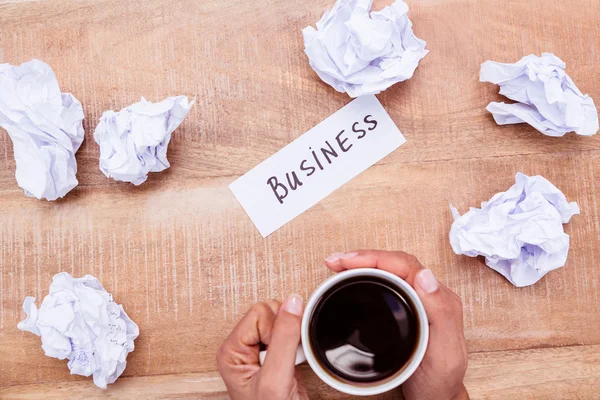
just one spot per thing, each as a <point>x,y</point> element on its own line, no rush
<point>185,260</point>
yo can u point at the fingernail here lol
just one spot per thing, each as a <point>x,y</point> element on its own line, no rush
<point>348,256</point>
<point>341,256</point>
<point>427,281</point>
<point>293,304</point>
<point>334,257</point>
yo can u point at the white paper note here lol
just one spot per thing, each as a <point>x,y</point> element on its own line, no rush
<point>311,167</point>
<point>519,232</point>
<point>360,52</point>
<point>79,320</point>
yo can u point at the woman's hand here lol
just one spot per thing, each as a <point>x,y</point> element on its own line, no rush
<point>277,326</point>
<point>440,375</point>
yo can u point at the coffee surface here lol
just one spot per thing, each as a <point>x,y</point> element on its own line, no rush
<point>363,330</point>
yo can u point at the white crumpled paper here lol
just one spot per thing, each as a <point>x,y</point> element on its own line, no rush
<point>547,97</point>
<point>80,321</point>
<point>519,232</point>
<point>45,126</point>
<point>133,141</point>
<point>361,53</point>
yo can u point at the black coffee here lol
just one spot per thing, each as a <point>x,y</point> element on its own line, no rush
<point>363,330</point>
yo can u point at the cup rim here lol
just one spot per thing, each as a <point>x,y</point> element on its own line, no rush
<point>385,386</point>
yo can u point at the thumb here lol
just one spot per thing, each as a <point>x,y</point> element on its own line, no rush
<point>442,306</point>
<point>279,363</point>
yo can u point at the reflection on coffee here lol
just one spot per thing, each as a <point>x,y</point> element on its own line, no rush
<point>363,330</point>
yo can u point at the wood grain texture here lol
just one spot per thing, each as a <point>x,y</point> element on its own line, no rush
<point>179,252</point>
<point>522,374</point>
<point>550,373</point>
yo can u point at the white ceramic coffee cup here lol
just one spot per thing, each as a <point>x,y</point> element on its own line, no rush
<point>371,388</point>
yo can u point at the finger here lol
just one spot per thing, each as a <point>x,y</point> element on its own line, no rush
<point>241,346</point>
<point>279,363</point>
<point>443,307</point>
<point>398,263</point>
<point>447,342</point>
<point>255,327</point>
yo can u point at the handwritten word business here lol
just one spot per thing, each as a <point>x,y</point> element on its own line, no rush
<point>322,157</point>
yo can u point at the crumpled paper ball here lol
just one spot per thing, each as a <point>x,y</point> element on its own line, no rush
<point>79,320</point>
<point>519,232</point>
<point>45,127</point>
<point>547,97</point>
<point>360,52</point>
<point>134,141</point>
